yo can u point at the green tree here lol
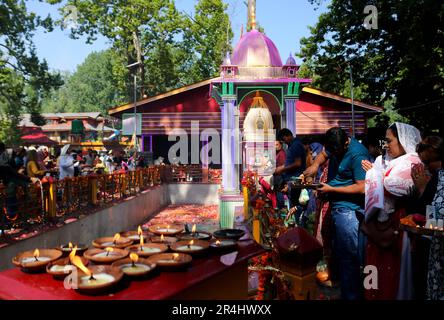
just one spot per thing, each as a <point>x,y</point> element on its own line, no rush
<point>138,30</point>
<point>24,79</point>
<point>91,88</point>
<point>402,58</point>
<point>207,39</point>
<point>174,49</point>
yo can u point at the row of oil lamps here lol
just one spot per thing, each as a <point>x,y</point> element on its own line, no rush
<point>110,254</point>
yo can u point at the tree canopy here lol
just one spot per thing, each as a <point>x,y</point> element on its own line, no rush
<point>24,79</point>
<point>173,48</point>
<point>400,61</point>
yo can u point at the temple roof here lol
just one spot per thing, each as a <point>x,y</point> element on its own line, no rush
<point>256,50</point>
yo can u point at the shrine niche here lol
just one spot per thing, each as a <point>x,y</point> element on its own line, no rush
<point>259,153</point>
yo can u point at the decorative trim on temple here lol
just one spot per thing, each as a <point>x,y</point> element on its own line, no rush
<point>227,89</point>
<point>293,89</point>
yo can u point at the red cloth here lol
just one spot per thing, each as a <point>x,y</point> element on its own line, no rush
<point>388,263</point>
<point>280,158</point>
<point>266,188</point>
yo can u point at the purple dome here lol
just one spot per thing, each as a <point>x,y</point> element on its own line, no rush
<point>256,50</point>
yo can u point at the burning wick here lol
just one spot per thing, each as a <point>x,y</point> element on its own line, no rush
<point>190,244</point>
<point>175,256</point>
<point>139,232</point>
<point>134,257</point>
<point>36,254</point>
<point>79,264</point>
<point>108,250</point>
<point>116,238</point>
<point>162,238</point>
<point>218,243</point>
<point>193,231</point>
<point>141,243</point>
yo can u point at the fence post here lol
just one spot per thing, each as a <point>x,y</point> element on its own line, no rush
<point>51,199</point>
<point>93,189</point>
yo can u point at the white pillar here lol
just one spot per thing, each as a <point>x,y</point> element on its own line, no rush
<point>290,114</point>
<point>230,146</point>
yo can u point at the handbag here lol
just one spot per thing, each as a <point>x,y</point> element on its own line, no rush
<point>384,234</point>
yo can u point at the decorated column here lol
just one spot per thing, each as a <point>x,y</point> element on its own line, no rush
<point>291,99</point>
<point>230,197</point>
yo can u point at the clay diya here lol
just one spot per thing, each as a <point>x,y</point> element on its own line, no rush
<point>223,245</point>
<point>114,242</point>
<point>192,247</point>
<point>166,229</point>
<point>68,248</point>
<point>62,267</point>
<point>171,260</point>
<point>37,260</point>
<point>105,256</point>
<point>135,235</point>
<point>164,240</point>
<point>148,249</point>
<point>233,234</point>
<point>134,266</point>
<point>193,235</point>
<point>96,278</point>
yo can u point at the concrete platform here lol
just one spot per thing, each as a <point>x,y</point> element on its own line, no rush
<point>122,216</point>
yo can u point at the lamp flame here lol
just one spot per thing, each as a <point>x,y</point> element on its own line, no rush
<point>139,231</point>
<point>141,241</point>
<point>108,250</point>
<point>36,254</point>
<point>77,261</point>
<point>70,245</point>
<point>72,254</point>
<point>175,256</point>
<point>217,243</point>
<point>191,242</point>
<point>116,238</point>
<point>162,238</point>
<point>193,230</point>
<point>134,257</point>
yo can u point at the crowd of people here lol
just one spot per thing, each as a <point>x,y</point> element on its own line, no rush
<point>24,166</point>
<point>410,172</point>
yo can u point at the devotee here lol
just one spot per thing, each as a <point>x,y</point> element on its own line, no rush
<point>294,165</point>
<point>372,142</point>
<point>280,154</point>
<point>66,163</point>
<point>32,167</point>
<point>89,158</point>
<point>346,196</point>
<point>427,257</point>
<point>388,249</point>
<point>280,161</point>
<point>425,177</point>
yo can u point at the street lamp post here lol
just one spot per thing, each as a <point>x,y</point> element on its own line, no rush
<point>352,101</point>
<point>136,64</point>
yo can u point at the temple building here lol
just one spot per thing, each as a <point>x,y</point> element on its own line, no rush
<point>254,71</point>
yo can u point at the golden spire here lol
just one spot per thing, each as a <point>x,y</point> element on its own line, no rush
<point>252,14</point>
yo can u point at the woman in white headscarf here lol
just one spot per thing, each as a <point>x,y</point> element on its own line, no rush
<point>66,163</point>
<point>388,250</point>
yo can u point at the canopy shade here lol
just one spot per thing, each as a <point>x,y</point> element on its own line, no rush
<point>35,135</point>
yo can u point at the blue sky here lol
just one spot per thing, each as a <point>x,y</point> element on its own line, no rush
<point>284,21</point>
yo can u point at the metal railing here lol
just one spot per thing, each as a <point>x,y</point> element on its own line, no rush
<point>56,200</point>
